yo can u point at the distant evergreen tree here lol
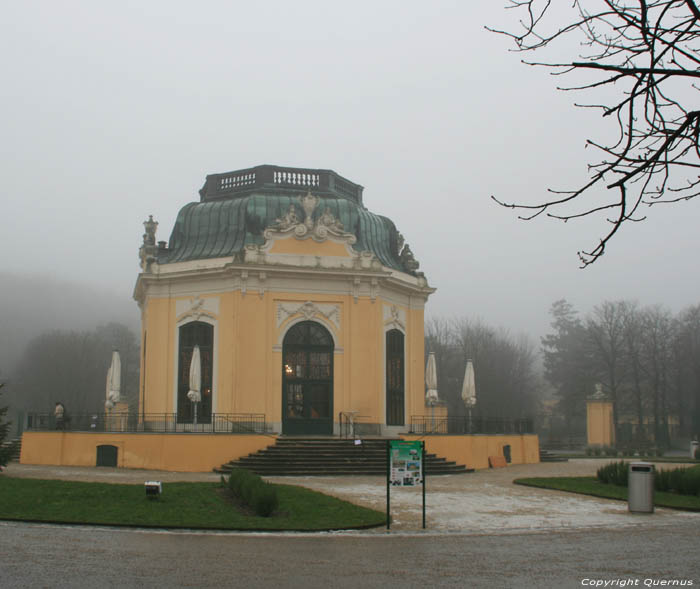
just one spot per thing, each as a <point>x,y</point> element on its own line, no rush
<point>4,430</point>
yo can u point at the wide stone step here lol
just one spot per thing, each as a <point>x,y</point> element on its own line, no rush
<point>301,470</point>
<point>329,457</point>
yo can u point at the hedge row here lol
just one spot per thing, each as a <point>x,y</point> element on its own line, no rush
<point>684,481</point>
<point>251,489</point>
<point>614,473</point>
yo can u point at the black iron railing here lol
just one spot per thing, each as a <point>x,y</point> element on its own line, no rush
<point>350,424</point>
<point>426,425</point>
<point>220,423</point>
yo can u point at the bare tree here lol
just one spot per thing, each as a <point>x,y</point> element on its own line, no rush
<point>505,376</point>
<point>71,367</point>
<point>606,332</point>
<point>641,59</point>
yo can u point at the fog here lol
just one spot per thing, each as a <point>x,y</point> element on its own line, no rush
<point>114,111</point>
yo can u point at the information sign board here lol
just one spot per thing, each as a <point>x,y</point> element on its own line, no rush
<point>404,468</point>
<point>406,463</point>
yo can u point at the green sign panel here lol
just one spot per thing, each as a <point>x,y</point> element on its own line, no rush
<point>405,463</point>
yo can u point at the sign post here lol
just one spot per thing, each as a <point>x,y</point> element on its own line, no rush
<point>405,467</point>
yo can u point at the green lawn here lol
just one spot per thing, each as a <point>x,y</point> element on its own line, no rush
<point>591,486</point>
<point>182,505</point>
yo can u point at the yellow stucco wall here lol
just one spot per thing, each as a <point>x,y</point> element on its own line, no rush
<point>172,452</point>
<point>202,452</point>
<point>248,353</point>
<point>599,423</point>
<point>474,451</point>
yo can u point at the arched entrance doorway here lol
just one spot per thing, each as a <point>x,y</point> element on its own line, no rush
<point>307,380</point>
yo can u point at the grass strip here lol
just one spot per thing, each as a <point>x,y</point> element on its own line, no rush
<point>182,505</point>
<point>591,486</point>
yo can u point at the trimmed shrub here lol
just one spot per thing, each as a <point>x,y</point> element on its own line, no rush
<point>697,453</point>
<point>609,451</point>
<point>684,481</point>
<point>265,500</point>
<point>589,450</point>
<point>253,491</point>
<point>614,473</point>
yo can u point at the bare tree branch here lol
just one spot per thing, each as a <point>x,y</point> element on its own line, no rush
<point>651,49</point>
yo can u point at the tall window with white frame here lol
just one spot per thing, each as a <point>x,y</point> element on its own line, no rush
<point>395,377</point>
<point>196,333</point>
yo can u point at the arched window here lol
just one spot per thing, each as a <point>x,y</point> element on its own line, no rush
<point>307,380</point>
<point>196,333</point>
<point>394,377</point>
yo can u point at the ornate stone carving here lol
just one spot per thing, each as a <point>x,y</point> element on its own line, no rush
<point>394,317</point>
<point>408,260</point>
<point>324,227</point>
<point>147,252</point>
<point>308,310</point>
<point>309,202</point>
<point>196,307</point>
<point>399,243</point>
<point>290,219</point>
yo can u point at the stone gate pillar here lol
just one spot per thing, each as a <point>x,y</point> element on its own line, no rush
<point>599,419</point>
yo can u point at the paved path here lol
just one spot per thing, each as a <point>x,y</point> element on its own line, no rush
<point>482,502</point>
<point>483,532</point>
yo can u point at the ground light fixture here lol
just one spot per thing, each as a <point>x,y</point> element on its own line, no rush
<point>154,489</point>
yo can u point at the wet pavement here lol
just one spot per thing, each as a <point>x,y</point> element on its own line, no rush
<point>482,502</point>
<point>483,531</point>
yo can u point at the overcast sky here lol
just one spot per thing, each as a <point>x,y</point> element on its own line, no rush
<point>114,111</point>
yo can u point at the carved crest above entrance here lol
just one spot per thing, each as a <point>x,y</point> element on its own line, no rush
<point>395,317</point>
<point>325,226</point>
<point>197,307</point>
<point>308,310</point>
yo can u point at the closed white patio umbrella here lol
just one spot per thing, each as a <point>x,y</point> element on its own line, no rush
<point>469,385</point>
<point>195,392</point>
<point>431,395</point>
<point>469,390</point>
<point>114,375</point>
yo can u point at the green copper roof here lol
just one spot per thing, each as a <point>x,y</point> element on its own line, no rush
<point>223,227</point>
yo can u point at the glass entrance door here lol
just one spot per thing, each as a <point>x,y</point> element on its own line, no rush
<point>307,380</point>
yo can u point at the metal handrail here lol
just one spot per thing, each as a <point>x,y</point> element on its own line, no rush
<point>124,422</point>
<point>427,425</point>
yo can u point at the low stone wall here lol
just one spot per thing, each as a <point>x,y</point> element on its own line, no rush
<point>474,451</point>
<point>173,452</point>
<point>203,452</point>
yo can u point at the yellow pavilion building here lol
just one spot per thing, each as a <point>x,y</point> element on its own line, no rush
<point>308,313</point>
<point>306,307</point>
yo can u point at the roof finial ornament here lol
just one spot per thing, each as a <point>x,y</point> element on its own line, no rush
<point>147,252</point>
<point>407,259</point>
<point>309,204</point>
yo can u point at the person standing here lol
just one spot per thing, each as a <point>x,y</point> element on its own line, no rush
<point>59,414</point>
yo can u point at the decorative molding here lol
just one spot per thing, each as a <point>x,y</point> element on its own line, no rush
<point>244,282</point>
<point>394,318</point>
<point>262,277</point>
<point>196,308</point>
<point>308,310</point>
<point>356,288</point>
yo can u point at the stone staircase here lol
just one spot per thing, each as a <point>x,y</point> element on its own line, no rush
<point>329,457</point>
<point>546,456</point>
<point>15,448</point>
